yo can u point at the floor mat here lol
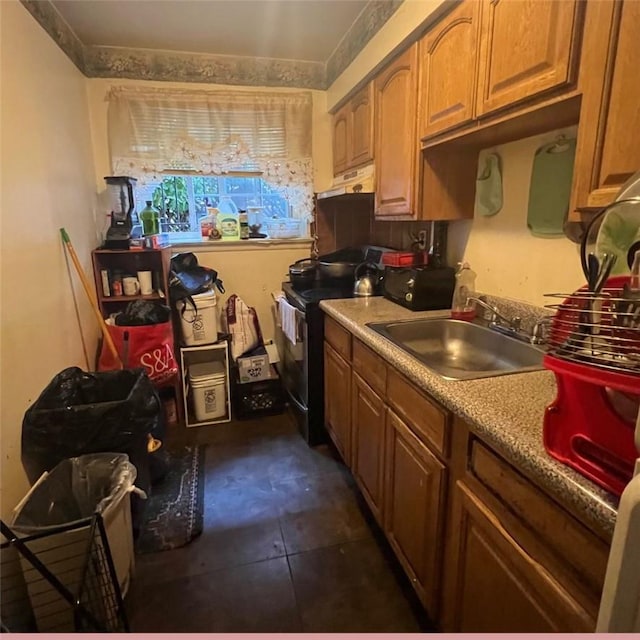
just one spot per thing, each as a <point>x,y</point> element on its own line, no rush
<point>173,514</point>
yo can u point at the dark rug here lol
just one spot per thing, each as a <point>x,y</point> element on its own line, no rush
<point>173,513</point>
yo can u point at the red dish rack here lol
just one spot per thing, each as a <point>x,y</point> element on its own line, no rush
<point>594,351</point>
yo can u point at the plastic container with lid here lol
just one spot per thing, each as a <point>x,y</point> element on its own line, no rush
<point>199,324</point>
<point>208,386</point>
<point>465,287</point>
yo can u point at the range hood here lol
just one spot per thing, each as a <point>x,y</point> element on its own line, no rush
<point>351,184</point>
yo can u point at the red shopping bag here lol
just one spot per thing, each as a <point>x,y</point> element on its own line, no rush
<point>148,346</point>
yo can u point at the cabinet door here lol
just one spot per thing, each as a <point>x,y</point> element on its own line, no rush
<point>361,127</point>
<point>395,141</point>
<point>608,153</point>
<point>414,508</point>
<point>341,140</point>
<point>448,70</point>
<point>367,425</point>
<point>337,401</point>
<point>498,587</point>
<point>527,47</point>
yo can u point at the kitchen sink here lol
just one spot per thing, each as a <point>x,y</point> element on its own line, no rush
<point>460,350</point>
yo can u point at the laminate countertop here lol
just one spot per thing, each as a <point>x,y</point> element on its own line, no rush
<point>506,411</point>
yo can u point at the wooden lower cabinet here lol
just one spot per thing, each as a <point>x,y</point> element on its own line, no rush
<point>414,508</point>
<point>337,401</point>
<point>495,586</point>
<point>367,450</point>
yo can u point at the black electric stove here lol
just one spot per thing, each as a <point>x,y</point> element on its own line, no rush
<point>302,364</point>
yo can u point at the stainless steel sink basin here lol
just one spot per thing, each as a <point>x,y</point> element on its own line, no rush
<point>460,350</point>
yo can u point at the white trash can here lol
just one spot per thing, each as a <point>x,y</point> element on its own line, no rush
<point>208,390</point>
<point>199,325</point>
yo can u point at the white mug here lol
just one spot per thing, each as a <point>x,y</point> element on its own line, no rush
<point>146,285</point>
<point>131,286</point>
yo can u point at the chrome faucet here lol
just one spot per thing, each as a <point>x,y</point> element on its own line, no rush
<point>512,326</point>
<point>511,323</point>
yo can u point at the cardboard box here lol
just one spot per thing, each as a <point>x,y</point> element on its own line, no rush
<point>254,366</point>
<point>156,241</point>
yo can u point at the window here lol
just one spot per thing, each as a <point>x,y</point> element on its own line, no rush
<point>187,148</point>
<point>182,200</point>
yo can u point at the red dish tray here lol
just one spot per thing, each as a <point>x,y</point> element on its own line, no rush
<point>590,425</point>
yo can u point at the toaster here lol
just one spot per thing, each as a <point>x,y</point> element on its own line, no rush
<point>420,288</point>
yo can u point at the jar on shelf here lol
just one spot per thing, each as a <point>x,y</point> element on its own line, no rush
<point>244,224</point>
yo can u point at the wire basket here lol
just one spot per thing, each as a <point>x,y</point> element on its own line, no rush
<point>600,330</point>
<point>63,580</point>
<point>594,351</point>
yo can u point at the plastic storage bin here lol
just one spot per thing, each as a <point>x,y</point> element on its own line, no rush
<point>199,325</point>
<point>208,390</point>
<point>283,227</point>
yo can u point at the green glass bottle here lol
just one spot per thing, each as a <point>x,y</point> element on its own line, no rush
<point>149,218</point>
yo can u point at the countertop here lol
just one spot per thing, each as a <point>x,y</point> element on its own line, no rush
<point>506,411</point>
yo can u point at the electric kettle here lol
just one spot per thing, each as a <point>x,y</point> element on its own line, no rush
<point>367,279</point>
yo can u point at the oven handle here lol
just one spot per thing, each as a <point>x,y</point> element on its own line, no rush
<point>296,402</point>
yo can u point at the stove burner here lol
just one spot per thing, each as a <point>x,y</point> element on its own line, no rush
<point>325,293</point>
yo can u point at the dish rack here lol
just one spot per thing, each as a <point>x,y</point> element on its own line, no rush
<point>594,351</point>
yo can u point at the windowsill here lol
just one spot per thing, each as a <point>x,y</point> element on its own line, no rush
<point>252,244</point>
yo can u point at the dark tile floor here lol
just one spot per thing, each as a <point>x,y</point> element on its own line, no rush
<point>288,546</point>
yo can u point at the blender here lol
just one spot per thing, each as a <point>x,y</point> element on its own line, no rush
<point>120,194</point>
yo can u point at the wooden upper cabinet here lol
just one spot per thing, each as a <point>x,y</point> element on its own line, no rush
<point>448,68</point>
<point>395,140</point>
<point>527,47</point>
<point>361,127</point>
<point>341,140</point>
<point>353,132</point>
<point>608,153</point>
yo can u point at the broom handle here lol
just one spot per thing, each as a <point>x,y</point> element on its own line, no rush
<point>94,304</point>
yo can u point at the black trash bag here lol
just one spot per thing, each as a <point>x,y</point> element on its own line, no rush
<point>187,278</point>
<point>143,312</point>
<point>80,413</point>
<point>75,489</point>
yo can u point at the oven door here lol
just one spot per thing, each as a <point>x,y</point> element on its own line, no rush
<point>295,363</point>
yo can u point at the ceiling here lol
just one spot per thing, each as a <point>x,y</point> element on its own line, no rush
<point>308,30</point>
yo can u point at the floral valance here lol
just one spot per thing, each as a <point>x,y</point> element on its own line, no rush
<point>158,131</point>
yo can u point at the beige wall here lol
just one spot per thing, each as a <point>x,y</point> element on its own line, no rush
<point>510,261</point>
<point>97,89</point>
<point>47,183</point>
<point>254,275</point>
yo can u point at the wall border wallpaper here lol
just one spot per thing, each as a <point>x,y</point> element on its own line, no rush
<point>145,64</point>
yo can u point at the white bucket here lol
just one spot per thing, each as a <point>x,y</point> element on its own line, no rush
<point>208,390</point>
<point>200,325</point>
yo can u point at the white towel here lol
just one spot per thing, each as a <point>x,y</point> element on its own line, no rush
<point>288,320</point>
